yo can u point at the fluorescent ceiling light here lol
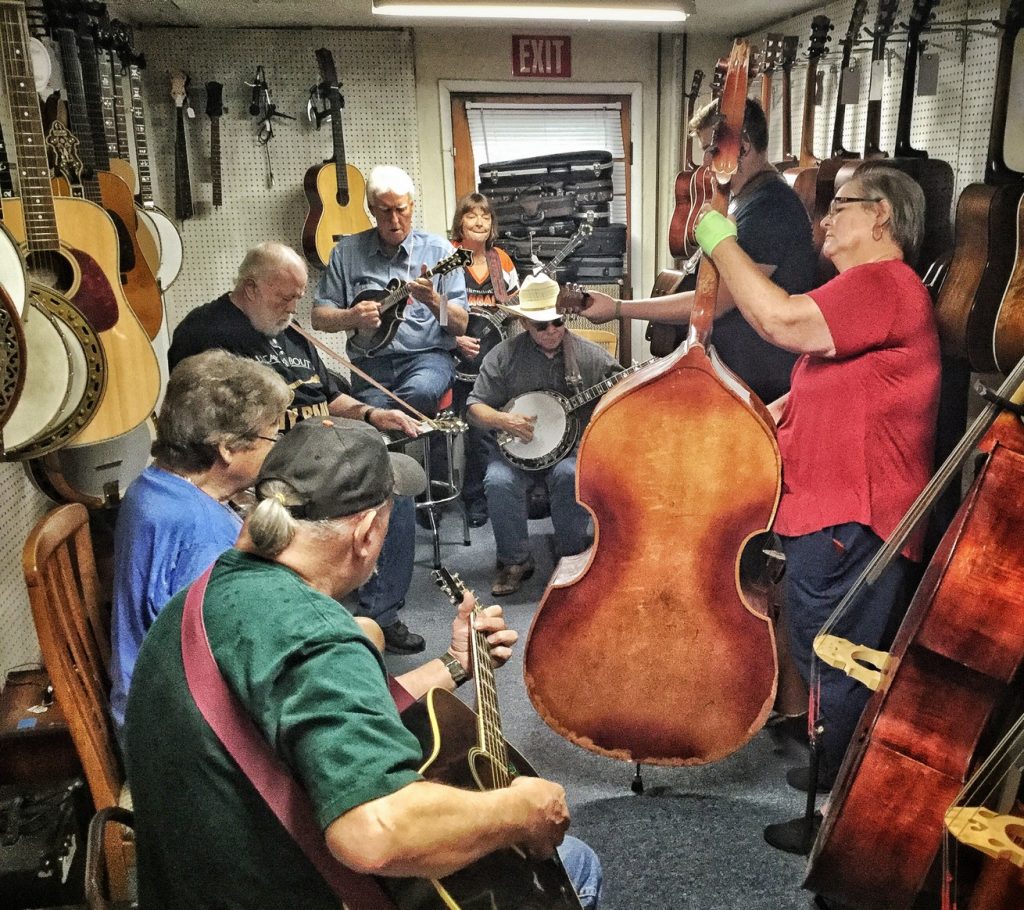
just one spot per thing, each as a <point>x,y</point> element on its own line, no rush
<point>666,11</point>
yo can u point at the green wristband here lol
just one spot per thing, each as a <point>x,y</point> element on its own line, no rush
<point>713,228</point>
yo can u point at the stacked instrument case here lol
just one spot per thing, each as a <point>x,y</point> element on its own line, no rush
<point>540,202</point>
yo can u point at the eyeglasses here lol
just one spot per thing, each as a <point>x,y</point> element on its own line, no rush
<point>400,210</point>
<point>270,439</point>
<point>541,326</point>
<point>833,206</point>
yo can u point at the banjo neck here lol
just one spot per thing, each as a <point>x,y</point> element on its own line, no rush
<point>596,391</point>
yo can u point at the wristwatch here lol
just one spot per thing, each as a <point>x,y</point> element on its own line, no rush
<point>366,415</point>
<point>452,665</point>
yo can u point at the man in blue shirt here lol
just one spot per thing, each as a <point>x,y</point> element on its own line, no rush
<point>219,419</point>
<point>416,364</point>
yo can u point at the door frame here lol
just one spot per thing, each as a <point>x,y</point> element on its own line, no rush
<point>447,87</point>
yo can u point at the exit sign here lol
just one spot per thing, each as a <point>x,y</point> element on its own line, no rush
<point>542,55</point>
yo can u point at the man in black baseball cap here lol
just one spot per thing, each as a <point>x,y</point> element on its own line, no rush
<point>317,692</point>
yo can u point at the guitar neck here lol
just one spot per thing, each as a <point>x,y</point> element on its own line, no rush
<point>596,391</point>
<point>807,158</point>
<point>108,103</point>
<point>873,122</point>
<point>787,118</point>
<point>6,184</point>
<point>996,171</point>
<point>340,164</point>
<point>218,197</point>
<point>102,126</point>
<point>29,145</point>
<point>492,739</point>
<point>77,109</point>
<point>120,118</point>
<point>139,129</point>
<point>182,185</point>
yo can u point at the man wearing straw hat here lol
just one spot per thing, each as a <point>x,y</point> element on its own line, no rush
<point>546,358</point>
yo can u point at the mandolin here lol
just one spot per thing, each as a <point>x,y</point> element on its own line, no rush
<point>986,216</point>
<point>468,750</point>
<point>334,190</point>
<point>393,302</point>
<point>71,247</point>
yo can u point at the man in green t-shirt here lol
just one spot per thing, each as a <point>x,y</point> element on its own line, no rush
<point>317,692</point>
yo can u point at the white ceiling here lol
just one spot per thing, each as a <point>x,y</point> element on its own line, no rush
<point>713,16</point>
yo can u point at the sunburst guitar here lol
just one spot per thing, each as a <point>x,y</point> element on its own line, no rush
<point>468,750</point>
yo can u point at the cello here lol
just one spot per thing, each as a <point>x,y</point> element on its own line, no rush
<point>955,665</point>
<point>680,470</point>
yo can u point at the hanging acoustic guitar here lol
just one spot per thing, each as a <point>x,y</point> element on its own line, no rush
<point>335,189</point>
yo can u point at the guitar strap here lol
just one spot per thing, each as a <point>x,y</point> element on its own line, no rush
<point>237,732</point>
<point>497,278</point>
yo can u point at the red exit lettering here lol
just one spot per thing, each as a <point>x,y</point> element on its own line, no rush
<point>541,55</point>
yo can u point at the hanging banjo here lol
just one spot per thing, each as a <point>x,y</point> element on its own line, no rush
<point>490,325</point>
<point>556,428</point>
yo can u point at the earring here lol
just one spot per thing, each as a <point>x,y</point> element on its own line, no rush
<point>876,232</point>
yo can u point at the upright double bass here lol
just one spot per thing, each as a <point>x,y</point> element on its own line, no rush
<point>651,646</point>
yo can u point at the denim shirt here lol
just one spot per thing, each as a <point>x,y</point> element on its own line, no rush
<point>358,264</point>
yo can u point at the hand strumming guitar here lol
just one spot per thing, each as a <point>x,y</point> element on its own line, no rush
<point>394,419</point>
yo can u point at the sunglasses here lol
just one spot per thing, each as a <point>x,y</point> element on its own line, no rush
<point>541,326</point>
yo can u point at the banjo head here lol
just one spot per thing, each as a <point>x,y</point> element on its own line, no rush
<point>489,327</point>
<point>12,271</point>
<point>548,429</point>
<point>12,378</point>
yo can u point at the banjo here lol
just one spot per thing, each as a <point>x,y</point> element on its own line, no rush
<point>556,429</point>
<point>489,325</point>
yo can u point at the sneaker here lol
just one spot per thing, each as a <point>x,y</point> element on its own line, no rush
<point>399,640</point>
<point>510,578</point>
<point>799,779</point>
<point>791,727</point>
<point>795,836</point>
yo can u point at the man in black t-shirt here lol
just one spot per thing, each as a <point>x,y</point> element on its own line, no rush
<point>254,320</point>
<point>774,230</point>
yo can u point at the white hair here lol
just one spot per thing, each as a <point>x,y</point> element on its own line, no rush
<point>386,178</point>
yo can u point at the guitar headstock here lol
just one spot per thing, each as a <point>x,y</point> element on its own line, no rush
<point>328,72</point>
<point>450,584</point>
<point>920,14</point>
<point>885,18</point>
<point>214,99</point>
<point>458,259</point>
<point>572,298</point>
<point>698,78</point>
<point>718,77</point>
<point>817,44</point>
<point>860,7</point>
<point>790,46</point>
<point>1014,16</point>
<point>771,53</point>
<point>179,88</point>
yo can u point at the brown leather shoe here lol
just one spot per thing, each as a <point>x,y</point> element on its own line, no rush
<point>510,578</point>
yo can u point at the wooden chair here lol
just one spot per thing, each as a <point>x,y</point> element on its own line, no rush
<point>73,627</point>
<point>97,890</point>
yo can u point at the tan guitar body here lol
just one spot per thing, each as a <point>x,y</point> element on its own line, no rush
<point>1008,340</point>
<point>139,283</point>
<point>327,219</point>
<point>88,256</point>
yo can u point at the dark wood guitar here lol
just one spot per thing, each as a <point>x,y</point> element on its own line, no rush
<point>830,167</point>
<point>214,110</point>
<point>678,231</point>
<point>804,177</point>
<point>335,189</point>
<point>664,337</point>
<point>935,177</point>
<point>1008,342</point>
<point>183,208</point>
<point>986,217</point>
<point>790,45</point>
<point>468,750</point>
<point>393,302</point>
<point>771,55</point>
<point>880,33</point>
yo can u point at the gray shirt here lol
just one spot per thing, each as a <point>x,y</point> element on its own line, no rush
<point>517,366</point>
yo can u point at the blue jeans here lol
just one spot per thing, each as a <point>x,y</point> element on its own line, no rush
<point>506,488</point>
<point>384,594</point>
<point>583,868</point>
<point>821,567</point>
<point>420,379</point>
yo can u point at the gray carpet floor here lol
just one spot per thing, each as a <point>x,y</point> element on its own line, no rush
<point>692,840</point>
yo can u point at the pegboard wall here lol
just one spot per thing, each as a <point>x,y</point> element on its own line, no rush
<point>376,72</point>
<point>952,125</point>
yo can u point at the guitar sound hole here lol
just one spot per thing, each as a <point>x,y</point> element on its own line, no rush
<point>52,270</point>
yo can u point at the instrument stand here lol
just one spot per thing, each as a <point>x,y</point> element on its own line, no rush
<point>442,490</point>
<point>637,786</point>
